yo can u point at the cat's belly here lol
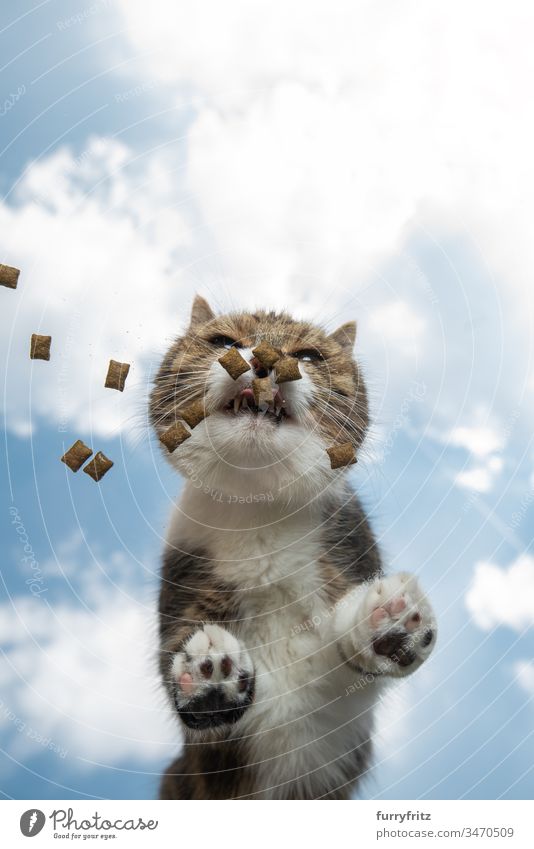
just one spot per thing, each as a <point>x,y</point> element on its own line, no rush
<point>307,731</point>
<point>308,724</point>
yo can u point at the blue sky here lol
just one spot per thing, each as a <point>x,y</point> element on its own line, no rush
<point>340,167</point>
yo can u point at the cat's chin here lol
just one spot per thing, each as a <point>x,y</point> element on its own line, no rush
<point>246,456</point>
<point>258,441</point>
<point>259,429</point>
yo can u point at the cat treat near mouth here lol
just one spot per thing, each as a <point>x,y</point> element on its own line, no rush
<point>287,369</point>
<point>341,455</point>
<point>234,363</point>
<point>266,354</point>
<point>261,397</point>
<point>174,436</point>
<point>263,390</point>
<point>194,413</point>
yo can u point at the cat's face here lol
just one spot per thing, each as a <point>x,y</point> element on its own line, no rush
<point>241,449</point>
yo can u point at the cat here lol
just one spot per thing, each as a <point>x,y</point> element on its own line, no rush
<point>278,628</point>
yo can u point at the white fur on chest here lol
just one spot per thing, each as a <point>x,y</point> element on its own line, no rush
<point>251,545</point>
<point>305,713</point>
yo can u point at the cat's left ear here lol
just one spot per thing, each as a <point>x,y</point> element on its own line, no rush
<point>201,312</point>
<point>345,335</point>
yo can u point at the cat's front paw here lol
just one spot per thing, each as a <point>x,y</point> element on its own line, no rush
<point>213,679</point>
<point>393,627</point>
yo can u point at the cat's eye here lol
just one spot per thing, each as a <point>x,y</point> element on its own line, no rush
<point>224,342</point>
<point>308,355</point>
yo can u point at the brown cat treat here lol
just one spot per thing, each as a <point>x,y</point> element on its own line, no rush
<point>98,467</point>
<point>40,347</point>
<point>76,456</point>
<point>174,436</point>
<point>194,413</point>
<point>287,369</point>
<point>9,276</point>
<point>234,363</point>
<point>266,354</point>
<point>341,455</point>
<point>263,390</point>
<point>117,374</point>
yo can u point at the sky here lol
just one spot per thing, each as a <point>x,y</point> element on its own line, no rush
<point>356,160</point>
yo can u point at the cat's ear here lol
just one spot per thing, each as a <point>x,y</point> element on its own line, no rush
<point>345,335</point>
<point>201,312</point>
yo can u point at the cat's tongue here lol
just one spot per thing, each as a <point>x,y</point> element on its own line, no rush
<point>245,399</point>
<point>247,396</point>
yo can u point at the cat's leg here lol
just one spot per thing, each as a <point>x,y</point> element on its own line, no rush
<point>386,626</point>
<point>177,782</point>
<point>212,678</point>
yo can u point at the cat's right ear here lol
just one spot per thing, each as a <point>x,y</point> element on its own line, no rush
<point>345,335</point>
<point>201,312</point>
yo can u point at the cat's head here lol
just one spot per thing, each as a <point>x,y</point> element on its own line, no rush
<point>278,451</point>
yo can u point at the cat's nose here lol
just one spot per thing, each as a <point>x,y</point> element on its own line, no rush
<point>259,369</point>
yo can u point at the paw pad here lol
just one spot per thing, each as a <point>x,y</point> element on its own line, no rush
<point>395,627</point>
<point>395,646</point>
<point>186,683</point>
<point>206,668</point>
<point>226,666</point>
<point>213,678</point>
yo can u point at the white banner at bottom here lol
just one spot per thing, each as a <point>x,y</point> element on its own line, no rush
<point>359,824</point>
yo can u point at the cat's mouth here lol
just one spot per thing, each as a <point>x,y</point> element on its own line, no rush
<point>244,403</point>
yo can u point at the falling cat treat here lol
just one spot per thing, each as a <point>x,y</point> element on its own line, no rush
<point>194,413</point>
<point>263,390</point>
<point>287,369</point>
<point>174,436</point>
<point>266,354</point>
<point>234,363</point>
<point>117,374</point>
<point>341,455</point>
<point>40,347</point>
<point>9,276</point>
<point>76,456</point>
<point>98,467</point>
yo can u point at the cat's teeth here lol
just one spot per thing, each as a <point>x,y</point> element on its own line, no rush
<point>237,402</point>
<point>278,401</point>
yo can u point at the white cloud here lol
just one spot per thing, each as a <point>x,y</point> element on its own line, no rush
<point>319,145</point>
<point>484,441</point>
<point>524,671</point>
<point>96,239</point>
<point>392,721</point>
<point>398,324</point>
<point>324,141</point>
<point>321,136</point>
<point>85,677</point>
<point>480,440</point>
<point>480,478</point>
<point>503,596</point>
